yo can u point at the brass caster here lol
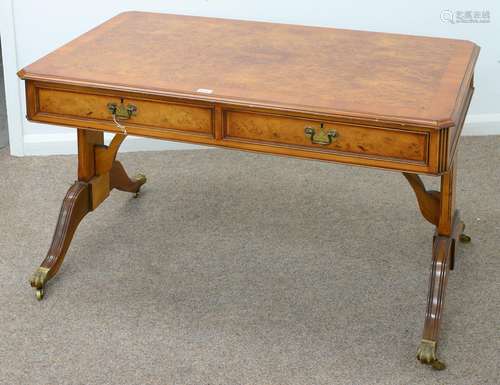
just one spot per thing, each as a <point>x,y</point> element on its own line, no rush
<point>38,280</point>
<point>39,294</point>
<point>464,238</point>
<point>39,277</point>
<point>426,354</point>
<point>438,365</point>
<point>142,179</point>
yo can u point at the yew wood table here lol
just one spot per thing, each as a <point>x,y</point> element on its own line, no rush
<point>379,100</point>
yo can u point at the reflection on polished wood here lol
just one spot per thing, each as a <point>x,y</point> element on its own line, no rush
<point>379,100</point>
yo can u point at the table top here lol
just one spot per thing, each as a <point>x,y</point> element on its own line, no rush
<point>378,76</point>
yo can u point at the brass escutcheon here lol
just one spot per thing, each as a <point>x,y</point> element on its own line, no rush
<point>121,111</point>
<point>321,136</point>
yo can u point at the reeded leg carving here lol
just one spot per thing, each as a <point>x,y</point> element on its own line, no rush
<point>98,174</point>
<point>439,209</point>
<point>75,206</point>
<point>426,352</point>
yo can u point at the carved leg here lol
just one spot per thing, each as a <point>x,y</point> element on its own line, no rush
<point>75,206</point>
<point>426,352</point>
<point>439,209</point>
<point>98,174</point>
<point>442,260</point>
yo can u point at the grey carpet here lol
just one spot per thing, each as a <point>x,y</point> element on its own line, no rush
<point>236,268</point>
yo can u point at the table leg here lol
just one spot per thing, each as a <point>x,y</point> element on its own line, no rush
<point>98,174</point>
<point>439,209</point>
<point>120,180</point>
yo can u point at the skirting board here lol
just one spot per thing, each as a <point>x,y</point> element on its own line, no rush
<point>65,143</point>
<point>482,124</point>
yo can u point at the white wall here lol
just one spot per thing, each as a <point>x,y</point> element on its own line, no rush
<point>33,28</point>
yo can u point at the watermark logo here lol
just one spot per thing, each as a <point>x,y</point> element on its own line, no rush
<point>465,17</point>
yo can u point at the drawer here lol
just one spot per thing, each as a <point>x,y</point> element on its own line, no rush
<point>325,136</point>
<point>149,113</point>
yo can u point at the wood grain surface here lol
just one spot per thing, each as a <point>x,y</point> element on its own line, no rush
<point>385,77</point>
<point>368,140</point>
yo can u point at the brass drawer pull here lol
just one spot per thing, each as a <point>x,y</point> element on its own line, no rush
<point>320,137</point>
<point>121,111</point>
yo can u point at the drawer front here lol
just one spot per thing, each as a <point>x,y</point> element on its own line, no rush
<point>159,114</point>
<point>313,135</point>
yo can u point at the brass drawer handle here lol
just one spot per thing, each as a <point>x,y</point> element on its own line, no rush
<point>121,111</point>
<point>320,137</point>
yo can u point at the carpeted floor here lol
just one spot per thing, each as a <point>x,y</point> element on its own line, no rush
<point>235,268</point>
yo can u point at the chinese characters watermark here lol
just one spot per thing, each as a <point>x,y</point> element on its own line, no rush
<point>466,17</point>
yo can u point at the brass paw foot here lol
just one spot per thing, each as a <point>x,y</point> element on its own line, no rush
<point>141,178</point>
<point>38,280</point>
<point>426,354</point>
<point>39,293</point>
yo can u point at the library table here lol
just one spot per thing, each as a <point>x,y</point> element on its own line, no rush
<point>386,101</point>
